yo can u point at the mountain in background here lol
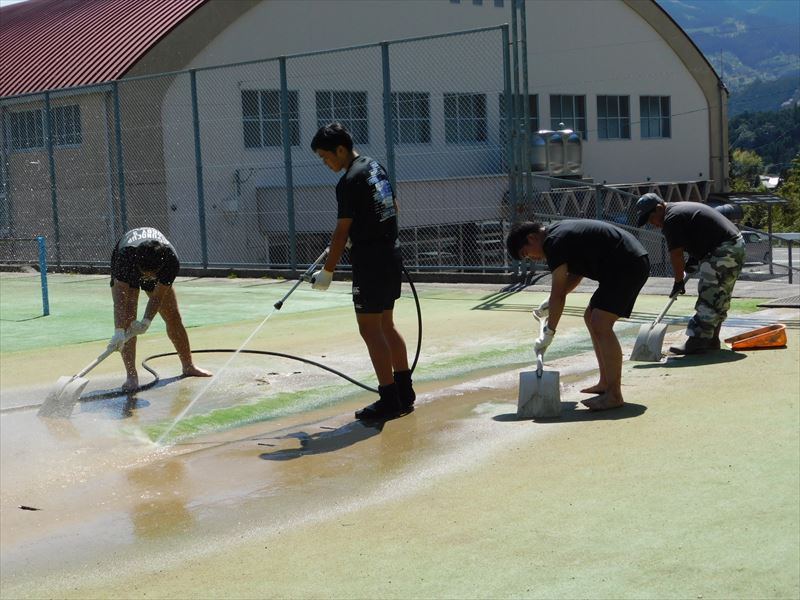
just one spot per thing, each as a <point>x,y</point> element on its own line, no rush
<point>754,45</point>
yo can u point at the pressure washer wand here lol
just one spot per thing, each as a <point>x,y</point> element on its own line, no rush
<point>304,277</point>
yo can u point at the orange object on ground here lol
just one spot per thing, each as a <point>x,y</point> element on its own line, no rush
<point>771,336</point>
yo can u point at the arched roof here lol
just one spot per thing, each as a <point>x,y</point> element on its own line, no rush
<point>51,44</point>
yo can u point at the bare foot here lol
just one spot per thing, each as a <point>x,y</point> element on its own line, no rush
<point>131,383</point>
<point>196,372</point>
<point>603,402</point>
<point>595,389</point>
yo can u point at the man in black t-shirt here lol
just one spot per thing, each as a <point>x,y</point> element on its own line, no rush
<point>714,246</point>
<point>367,216</point>
<point>144,259</point>
<point>580,248</point>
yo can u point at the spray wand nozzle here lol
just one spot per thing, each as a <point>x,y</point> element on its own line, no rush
<point>306,276</point>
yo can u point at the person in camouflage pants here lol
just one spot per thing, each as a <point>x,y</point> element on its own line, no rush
<point>715,245</point>
<point>717,275</point>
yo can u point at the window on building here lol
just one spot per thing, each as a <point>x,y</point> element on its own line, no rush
<point>569,110</point>
<point>464,118</point>
<point>26,128</point>
<point>533,106</point>
<point>498,3</point>
<point>613,118</point>
<point>411,117</point>
<point>348,108</point>
<point>654,114</point>
<point>261,118</point>
<point>66,125</point>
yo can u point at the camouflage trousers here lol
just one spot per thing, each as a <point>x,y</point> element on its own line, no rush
<point>717,276</point>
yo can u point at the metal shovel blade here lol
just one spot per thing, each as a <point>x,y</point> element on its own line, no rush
<point>63,397</point>
<point>649,342</point>
<point>539,395</point>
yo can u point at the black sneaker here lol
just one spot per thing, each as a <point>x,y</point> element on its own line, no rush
<point>387,407</point>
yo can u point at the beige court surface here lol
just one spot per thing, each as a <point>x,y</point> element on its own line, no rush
<point>268,488</point>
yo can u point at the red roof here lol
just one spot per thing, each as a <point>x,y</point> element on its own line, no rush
<point>50,44</point>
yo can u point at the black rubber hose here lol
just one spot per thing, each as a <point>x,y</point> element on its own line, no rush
<point>289,356</point>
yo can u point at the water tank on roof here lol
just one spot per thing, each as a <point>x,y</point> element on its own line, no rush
<point>555,153</point>
<point>573,153</point>
<point>539,150</point>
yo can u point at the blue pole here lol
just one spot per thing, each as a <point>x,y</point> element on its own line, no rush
<point>48,134</point>
<point>43,275</point>
<point>198,163</point>
<point>123,205</point>
<point>287,165</point>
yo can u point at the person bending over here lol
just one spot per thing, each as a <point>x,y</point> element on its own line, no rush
<point>580,248</point>
<point>367,215</point>
<point>144,259</point>
<point>716,250</point>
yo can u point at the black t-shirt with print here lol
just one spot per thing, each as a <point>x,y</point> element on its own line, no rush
<point>593,249</point>
<point>365,195</point>
<point>124,266</point>
<point>696,227</point>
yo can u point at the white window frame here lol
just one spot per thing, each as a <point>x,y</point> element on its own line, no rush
<point>571,111</point>
<point>349,108</point>
<point>613,117</point>
<point>655,119</point>
<point>411,117</point>
<point>268,122</point>
<point>463,121</point>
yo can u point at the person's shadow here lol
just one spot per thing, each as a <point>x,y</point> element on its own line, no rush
<point>329,440</point>
<point>693,360</point>
<point>570,413</point>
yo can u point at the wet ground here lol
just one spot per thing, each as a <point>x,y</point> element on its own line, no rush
<point>269,488</point>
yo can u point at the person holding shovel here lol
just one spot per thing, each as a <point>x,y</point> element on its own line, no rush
<point>367,217</point>
<point>713,244</point>
<point>144,259</point>
<point>579,248</point>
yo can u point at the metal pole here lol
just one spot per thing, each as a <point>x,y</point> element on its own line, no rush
<point>198,163</point>
<point>123,205</point>
<point>43,275</point>
<point>789,244</point>
<point>516,108</point>
<point>598,202</point>
<point>769,223</point>
<point>287,167</point>
<point>4,175</point>
<point>512,188</point>
<point>48,133</point>
<point>526,102</point>
<point>388,125</point>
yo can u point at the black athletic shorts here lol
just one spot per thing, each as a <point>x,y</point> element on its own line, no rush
<point>376,278</point>
<point>123,269</point>
<point>618,294</point>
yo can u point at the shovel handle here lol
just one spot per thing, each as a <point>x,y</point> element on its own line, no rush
<point>539,364</point>
<point>103,355</point>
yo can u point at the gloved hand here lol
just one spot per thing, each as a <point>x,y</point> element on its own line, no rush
<point>677,288</point>
<point>321,280</point>
<point>691,266</point>
<point>138,327</point>
<point>117,340</point>
<point>544,340</point>
<point>543,310</point>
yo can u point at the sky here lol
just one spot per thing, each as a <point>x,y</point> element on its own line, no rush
<point>7,2</point>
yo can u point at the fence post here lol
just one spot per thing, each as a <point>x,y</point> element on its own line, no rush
<point>198,164</point>
<point>526,100</point>
<point>287,166</point>
<point>48,135</point>
<point>598,202</point>
<point>388,126</point>
<point>43,275</point>
<point>123,205</point>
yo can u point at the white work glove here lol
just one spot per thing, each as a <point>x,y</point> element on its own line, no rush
<point>545,339</point>
<point>138,327</point>
<point>543,311</point>
<point>321,280</point>
<point>117,340</point>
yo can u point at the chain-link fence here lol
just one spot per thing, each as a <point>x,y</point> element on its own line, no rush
<point>219,160</point>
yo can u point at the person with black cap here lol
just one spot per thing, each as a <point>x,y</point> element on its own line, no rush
<point>578,248</point>
<point>144,259</point>
<point>715,245</point>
